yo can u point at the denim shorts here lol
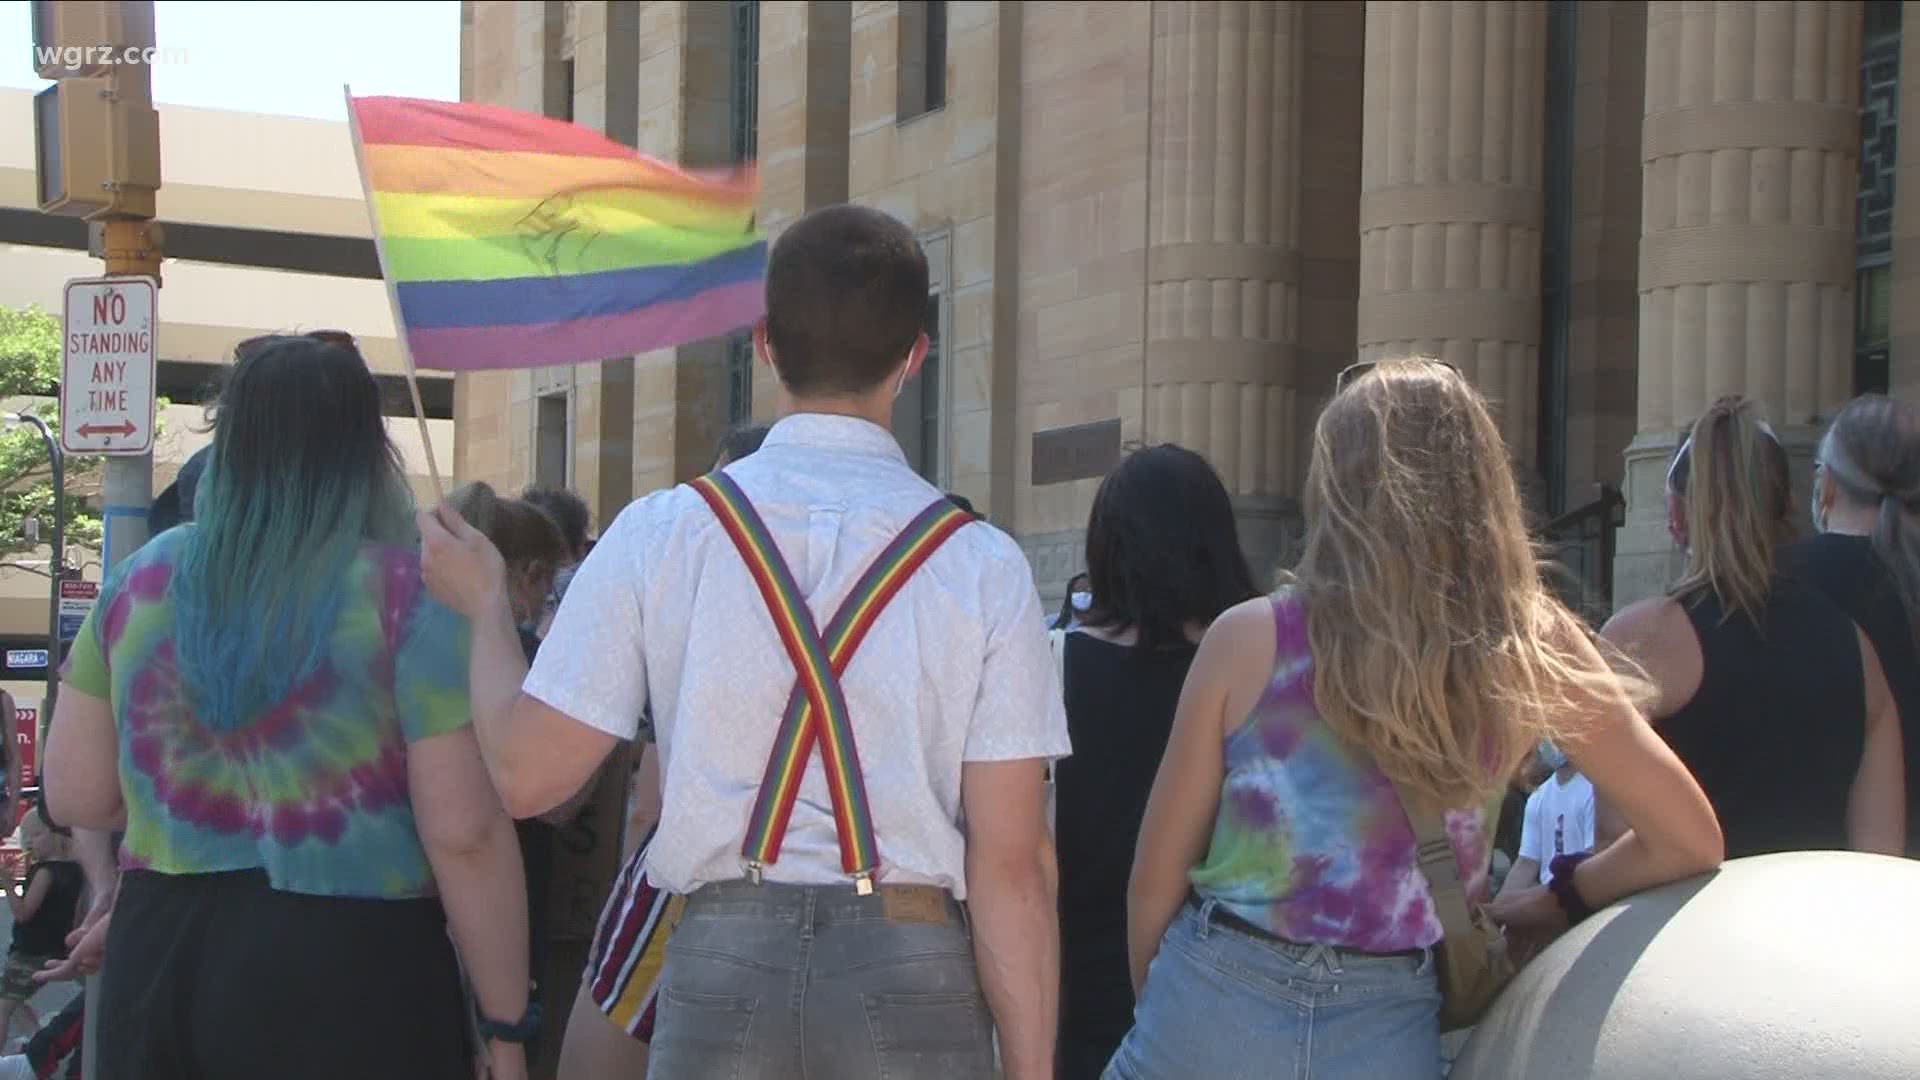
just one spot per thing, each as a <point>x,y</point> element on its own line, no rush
<point>1226,1004</point>
<point>768,982</point>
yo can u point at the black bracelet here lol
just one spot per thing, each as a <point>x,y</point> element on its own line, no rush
<point>1565,891</point>
<point>520,1033</point>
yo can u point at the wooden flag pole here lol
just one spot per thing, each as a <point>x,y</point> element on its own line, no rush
<point>393,296</point>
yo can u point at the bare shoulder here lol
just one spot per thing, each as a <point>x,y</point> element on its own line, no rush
<point>1242,641</point>
<point>1648,622</point>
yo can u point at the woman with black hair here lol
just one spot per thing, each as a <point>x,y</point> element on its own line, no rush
<point>1163,560</point>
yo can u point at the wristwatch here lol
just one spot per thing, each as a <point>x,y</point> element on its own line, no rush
<point>1565,891</point>
<point>519,1033</point>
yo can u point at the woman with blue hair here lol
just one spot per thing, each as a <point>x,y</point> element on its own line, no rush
<point>274,709</point>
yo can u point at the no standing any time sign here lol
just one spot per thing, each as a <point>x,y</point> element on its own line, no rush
<point>107,366</point>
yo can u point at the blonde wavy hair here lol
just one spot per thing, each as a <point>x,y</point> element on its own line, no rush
<point>1437,646</point>
<point>1734,480</point>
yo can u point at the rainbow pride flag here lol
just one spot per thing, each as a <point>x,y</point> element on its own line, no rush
<point>510,240</point>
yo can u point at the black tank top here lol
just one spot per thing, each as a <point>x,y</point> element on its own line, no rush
<point>1775,732</point>
<point>1846,571</point>
<point>1120,704</point>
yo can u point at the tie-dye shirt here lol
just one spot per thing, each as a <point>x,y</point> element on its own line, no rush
<point>1311,843</point>
<point>314,792</point>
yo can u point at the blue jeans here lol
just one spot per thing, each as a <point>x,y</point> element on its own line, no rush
<point>769,982</point>
<point>1224,1004</point>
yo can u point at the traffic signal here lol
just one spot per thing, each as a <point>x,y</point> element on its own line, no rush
<point>97,148</point>
<point>96,134</point>
<point>78,37</point>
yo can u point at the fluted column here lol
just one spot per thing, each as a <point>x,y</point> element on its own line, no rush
<point>1224,226</point>
<point>1749,149</point>
<point>1451,198</point>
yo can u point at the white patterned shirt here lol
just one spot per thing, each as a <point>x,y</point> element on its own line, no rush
<point>956,669</point>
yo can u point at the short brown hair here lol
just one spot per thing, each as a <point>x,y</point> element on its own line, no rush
<point>523,532</point>
<point>846,298</point>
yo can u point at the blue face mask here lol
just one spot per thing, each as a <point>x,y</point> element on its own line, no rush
<point>1082,601</point>
<point>1550,756</point>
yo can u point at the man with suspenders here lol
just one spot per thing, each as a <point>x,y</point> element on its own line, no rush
<point>854,700</point>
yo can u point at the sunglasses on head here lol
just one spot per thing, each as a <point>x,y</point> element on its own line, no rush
<point>330,337</point>
<point>1354,371</point>
<point>1686,451</point>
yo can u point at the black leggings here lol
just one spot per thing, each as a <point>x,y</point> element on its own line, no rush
<point>220,977</point>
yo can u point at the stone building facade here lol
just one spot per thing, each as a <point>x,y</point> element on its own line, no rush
<point>1177,220</point>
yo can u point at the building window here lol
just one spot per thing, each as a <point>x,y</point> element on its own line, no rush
<point>743,99</point>
<point>917,411</point>
<point>740,378</point>
<point>923,57</point>
<point>1873,206</point>
<point>551,440</point>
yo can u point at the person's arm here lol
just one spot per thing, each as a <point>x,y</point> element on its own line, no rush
<point>1608,825</point>
<point>1673,830</point>
<point>82,788</point>
<point>1524,875</point>
<point>475,854</point>
<point>1526,867</point>
<point>26,907</point>
<point>1877,806</point>
<point>93,850</point>
<point>87,943</point>
<point>1018,724</point>
<point>1010,896</point>
<point>1186,792</point>
<point>539,755</point>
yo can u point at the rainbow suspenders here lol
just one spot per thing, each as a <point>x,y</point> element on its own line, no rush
<point>816,709</point>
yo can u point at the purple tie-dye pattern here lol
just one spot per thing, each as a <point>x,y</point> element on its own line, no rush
<point>1311,843</point>
<point>315,790</point>
<point>1256,809</point>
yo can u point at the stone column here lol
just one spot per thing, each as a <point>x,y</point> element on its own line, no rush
<point>1223,262</point>
<point>1749,149</point>
<point>1451,198</point>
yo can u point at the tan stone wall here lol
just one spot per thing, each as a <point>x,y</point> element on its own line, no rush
<point>1190,215</point>
<point>604,44</point>
<point>1085,94</point>
<point>937,172</point>
<point>1604,315</point>
<point>1905,362</point>
<point>493,417</point>
<point>1451,203</point>
<point>1331,118</point>
<point>805,78</point>
<point>1749,146</point>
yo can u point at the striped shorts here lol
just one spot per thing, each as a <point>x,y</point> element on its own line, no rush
<point>630,947</point>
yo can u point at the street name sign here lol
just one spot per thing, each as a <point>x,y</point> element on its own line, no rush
<point>107,366</point>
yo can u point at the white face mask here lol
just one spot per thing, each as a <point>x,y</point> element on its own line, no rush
<point>1082,601</point>
<point>900,386</point>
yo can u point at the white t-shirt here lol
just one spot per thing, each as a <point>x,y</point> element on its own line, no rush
<point>956,669</point>
<point>1559,822</point>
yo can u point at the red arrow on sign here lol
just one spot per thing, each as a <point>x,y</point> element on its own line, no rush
<point>124,428</point>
